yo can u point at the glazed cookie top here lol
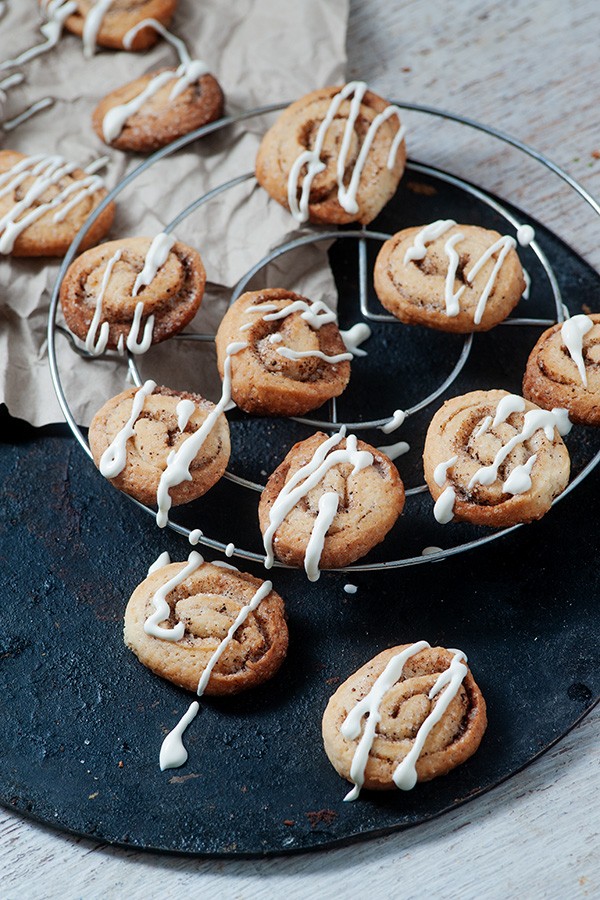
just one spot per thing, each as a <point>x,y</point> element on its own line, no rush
<point>493,458</point>
<point>425,714</point>
<point>564,369</point>
<point>460,278</point>
<point>44,201</point>
<point>294,358</point>
<point>334,156</point>
<point>139,437</point>
<point>208,629</point>
<point>330,501</point>
<point>106,22</point>
<point>132,292</point>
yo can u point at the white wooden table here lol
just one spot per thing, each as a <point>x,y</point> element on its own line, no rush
<point>530,69</point>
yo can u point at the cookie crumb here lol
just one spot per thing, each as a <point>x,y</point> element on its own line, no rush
<point>596,154</point>
<point>417,187</point>
<point>321,817</point>
<point>289,822</point>
<point>120,763</point>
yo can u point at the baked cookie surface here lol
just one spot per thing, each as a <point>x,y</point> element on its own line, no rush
<point>305,158</point>
<point>494,458</point>
<point>295,358</point>
<point>44,201</point>
<point>119,18</point>
<point>166,419</point>
<point>104,285</point>
<point>204,606</point>
<point>163,117</point>
<point>563,369</point>
<point>410,674</point>
<point>459,278</point>
<point>329,502</point>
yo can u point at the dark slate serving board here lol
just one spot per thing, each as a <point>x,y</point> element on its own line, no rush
<point>82,720</point>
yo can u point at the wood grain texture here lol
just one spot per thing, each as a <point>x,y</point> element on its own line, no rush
<point>531,70</point>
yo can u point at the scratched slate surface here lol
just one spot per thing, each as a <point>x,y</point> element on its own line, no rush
<point>82,720</point>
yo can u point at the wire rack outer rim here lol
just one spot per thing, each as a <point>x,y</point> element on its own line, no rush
<point>217,126</point>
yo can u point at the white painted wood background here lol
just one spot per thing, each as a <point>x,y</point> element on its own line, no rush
<point>531,69</point>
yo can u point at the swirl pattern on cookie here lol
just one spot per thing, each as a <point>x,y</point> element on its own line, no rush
<point>426,715</point>
<point>44,201</point>
<point>563,369</point>
<point>334,156</point>
<point>143,290</point>
<point>459,278</point>
<point>329,502</point>
<point>295,358</point>
<point>229,628</point>
<point>135,434</point>
<point>105,23</point>
<point>493,458</point>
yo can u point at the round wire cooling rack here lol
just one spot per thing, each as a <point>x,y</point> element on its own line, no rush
<point>361,237</point>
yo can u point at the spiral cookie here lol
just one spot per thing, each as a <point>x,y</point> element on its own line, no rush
<point>564,369</point>
<point>334,156</point>
<point>140,435</point>
<point>329,502</point>
<point>426,716</point>
<point>205,628</point>
<point>156,109</point>
<point>106,22</point>
<point>493,458</point>
<point>458,278</point>
<point>133,292</point>
<point>44,201</point>
<point>294,359</point>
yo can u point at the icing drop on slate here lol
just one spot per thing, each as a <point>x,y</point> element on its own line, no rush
<point>354,336</point>
<point>572,332</point>
<point>328,507</point>
<point>350,588</point>
<point>444,506</point>
<point>396,421</point>
<point>393,451</point>
<point>162,610</point>
<point>312,158</point>
<point>163,560</point>
<point>113,460</point>
<point>172,752</point>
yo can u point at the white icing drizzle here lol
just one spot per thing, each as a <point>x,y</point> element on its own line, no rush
<point>275,338</point>
<point>288,353</point>
<point>38,106</point>
<point>157,255</point>
<point>534,420</point>
<point>113,460</point>
<point>162,610</point>
<point>121,345</point>
<point>350,588</point>
<point>133,345</point>
<point>315,312</point>
<point>229,550</point>
<point>405,776</point>
<point>328,507</point>
<point>502,246</point>
<point>525,235</point>
<point>224,565</point>
<point>160,562</point>
<point>519,480</point>
<point>527,279</point>
<point>93,346</point>
<point>393,451</point>
<point>2,8</point>
<point>370,703</point>
<point>92,26</point>
<point>354,336</point>
<point>115,119</point>
<point>179,461</point>
<point>56,12</point>
<point>195,536</point>
<point>441,470</point>
<point>508,405</point>
<point>572,333</point>
<point>9,82</point>
<point>263,591</point>
<point>172,752</point>
<point>483,427</point>
<point>312,158</point>
<point>443,509</point>
<point>451,299</point>
<point>309,475</point>
<point>396,421</point>
<point>418,249</point>
<point>184,410</point>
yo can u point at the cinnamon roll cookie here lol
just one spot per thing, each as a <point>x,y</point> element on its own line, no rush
<point>205,628</point>
<point>160,446</point>
<point>459,278</point>
<point>106,22</point>
<point>564,369</point>
<point>493,458</point>
<point>293,358</point>
<point>329,502</point>
<point>334,156</point>
<point>425,716</point>
<point>158,108</point>
<point>132,293</point>
<point>44,201</point>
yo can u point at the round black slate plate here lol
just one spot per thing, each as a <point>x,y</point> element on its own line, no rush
<point>83,720</point>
